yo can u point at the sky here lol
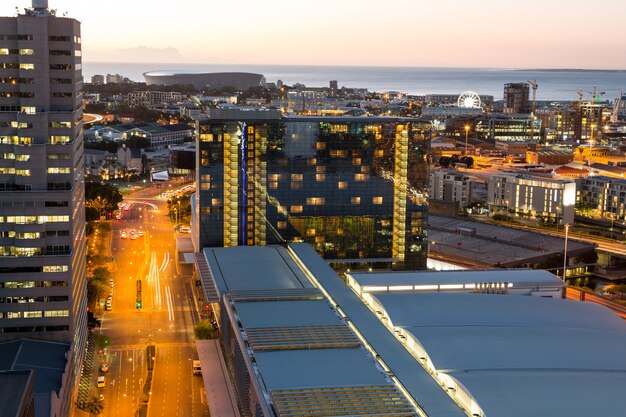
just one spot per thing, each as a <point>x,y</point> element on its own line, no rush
<point>416,33</point>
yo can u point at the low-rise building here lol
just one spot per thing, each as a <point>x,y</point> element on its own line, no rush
<point>154,98</point>
<point>549,157</point>
<point>129,158</point>
<point>451,186</point>
<point>160,136</point>
<point>533,197</point>
<point>607,195</point>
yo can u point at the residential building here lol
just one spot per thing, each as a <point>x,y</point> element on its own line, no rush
<point>42,231</point>
<point>114,79</point>
<point>516,98</point>
<point>129,158</point>
<point>354,187</point>
<point>154,98</point>
<point>607,195</point>
<point>97,79</point>
<point>532,197</point>
<point>451,186</point>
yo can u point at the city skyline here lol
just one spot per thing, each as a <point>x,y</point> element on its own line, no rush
<point>448,34</point>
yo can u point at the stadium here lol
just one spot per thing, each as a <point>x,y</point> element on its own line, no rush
<point>212,80</point>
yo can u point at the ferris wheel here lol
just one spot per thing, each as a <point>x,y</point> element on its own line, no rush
<point>469,100</point>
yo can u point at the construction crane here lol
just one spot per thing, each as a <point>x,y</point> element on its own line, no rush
<point>595,94</point>
<point>534,85</point>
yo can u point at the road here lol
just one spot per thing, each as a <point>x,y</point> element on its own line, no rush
<point>166,318</point>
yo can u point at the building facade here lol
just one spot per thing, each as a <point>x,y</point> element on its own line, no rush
<point>353,187</point>
<point>605,194</point>
<point>42,230</point>
<point>451,186</point>
<point>523,196</point>
<point>516,98</point>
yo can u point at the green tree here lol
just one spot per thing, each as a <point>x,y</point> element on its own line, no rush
<point>94,406</point>
<point>204,330</point>
<point>100,340</point>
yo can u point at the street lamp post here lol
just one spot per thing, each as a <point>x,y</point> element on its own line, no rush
<point>466,134</point>
<point>565,251</point>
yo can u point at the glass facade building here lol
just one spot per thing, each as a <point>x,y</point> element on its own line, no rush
<point>352,187</point>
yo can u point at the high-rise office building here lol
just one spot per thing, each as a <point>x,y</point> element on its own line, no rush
<point>352,187</point>
<point>516,98</point>
<point>42,223</point>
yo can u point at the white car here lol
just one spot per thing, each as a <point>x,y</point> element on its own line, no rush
<point>123,234</point>
<point>101,381</point>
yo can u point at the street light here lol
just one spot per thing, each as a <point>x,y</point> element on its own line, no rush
<point>466,134</point>
<point>565,251</point>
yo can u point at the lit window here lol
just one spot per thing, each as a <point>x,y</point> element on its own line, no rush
<point>28,109</point>
<point>320,177</point>
<point>315,201</point>
<point>297,177</point>
<point>310,232</point>
<point>22,172</point>
<point>356,161</point>
<point>377,200</point>
<point>319,239</point>
<point>281,225</point>
<point>356,200</point>
<point>4,51</point>
<point>379,153</point>
<point>22,158</point>
<point>26,52</point>
<point>320,145</point>
<point>273,185</point>
<point>296,209</point>
<point>59,139</point>
<point>55,268</point>
<point>360,177</point>
<point>342,185</point>
<point>320,169</point>
<point>215,202</point>
<point>59,170</point>
<point>27,66</point>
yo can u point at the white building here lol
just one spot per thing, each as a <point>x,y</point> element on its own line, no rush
<point>532,197</point>
<point>451,186</point>
<point>607,195</point>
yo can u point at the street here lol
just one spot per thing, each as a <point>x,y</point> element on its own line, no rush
<point>151,304</point>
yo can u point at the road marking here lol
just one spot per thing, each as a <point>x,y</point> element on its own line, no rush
<point>165,263</point>
<point>170,303</point>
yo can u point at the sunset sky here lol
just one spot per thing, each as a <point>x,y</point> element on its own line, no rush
<point>441,33</point>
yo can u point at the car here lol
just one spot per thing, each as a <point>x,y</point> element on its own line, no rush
<point>132,232</point>
<point>101,381</point>
<point>133,237</point>
<point>123,234</point>
<point>104,367</point>
<point>112,283</point>
<point>140,232</point>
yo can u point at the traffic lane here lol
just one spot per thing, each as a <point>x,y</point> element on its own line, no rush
<point>172,387</point>
<point>127,372</point>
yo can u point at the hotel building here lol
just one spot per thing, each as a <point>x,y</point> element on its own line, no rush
<point>355,188</point>
<point>42,223</point>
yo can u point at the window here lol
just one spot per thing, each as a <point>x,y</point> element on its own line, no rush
<point>315,201</point>
<point>60,52</point>
<point>4,51</point>
<point>320,177</point>
<point>22,172</point>
<point>58,156</point>
<point>56,313</point>
<point>310,232</point>
<point>295,209</point>
<point>377,200</point>
<point>7,170</point>
<point>360,177</point>
<point>60,124</point>
<point>297,177</point>
<point>26,52</point>
<point>22,158</point>
<point>66,67</point>
<point>59,139</point>
<point>60,81</point>
<point>60,95</point>
<point>28,109</point>
<point>55,268</point>
<point>59,170</point>
<point>281,225</point>
<point>215,202</point>
<point>342,185</point>
<point>355,200</point>
<point>27,66</point>
<point>58,38</point>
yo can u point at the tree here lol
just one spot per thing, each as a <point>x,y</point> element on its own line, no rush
<point>100,197</point>
<point>94,406</point>
<point>100,340</point>
<point>204,330</point>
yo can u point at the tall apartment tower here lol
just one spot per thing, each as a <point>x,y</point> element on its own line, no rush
<point>355,188</point>
<point>42,222</point>
<point>516,98</point>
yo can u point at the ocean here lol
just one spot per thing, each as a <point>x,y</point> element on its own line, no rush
<point>554,85</point>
